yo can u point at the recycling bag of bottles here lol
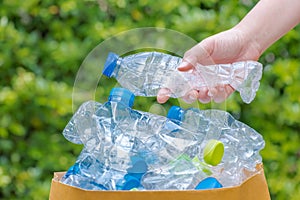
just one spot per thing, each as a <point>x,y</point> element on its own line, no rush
<point>189,149</point>
<point>127,149</point>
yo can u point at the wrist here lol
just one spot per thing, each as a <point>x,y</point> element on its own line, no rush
<point>268,21</point>
<point>252,47</point>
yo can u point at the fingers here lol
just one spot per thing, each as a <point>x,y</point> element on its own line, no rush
<point>185,66</point>
<point>220,93</point>
<point>217,94</point>
<point>199,54</point>
<point>203,96</point>
<point>191,96</point>
<point>163,95</point>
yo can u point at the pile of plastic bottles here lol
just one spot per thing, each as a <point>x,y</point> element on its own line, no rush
<point>127,149</point>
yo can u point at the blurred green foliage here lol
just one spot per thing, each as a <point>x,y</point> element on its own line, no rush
<point>43,44</point>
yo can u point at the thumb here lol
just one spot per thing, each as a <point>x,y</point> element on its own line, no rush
<point>198,54</point>
<point>188,63</point>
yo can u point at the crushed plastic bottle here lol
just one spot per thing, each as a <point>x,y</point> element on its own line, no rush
<point>91,125</point>
<point>242,144</point>
<point>145,73</point>
<point>82,125</point>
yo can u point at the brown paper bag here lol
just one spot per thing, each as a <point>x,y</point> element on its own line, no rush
<point>254,188</point>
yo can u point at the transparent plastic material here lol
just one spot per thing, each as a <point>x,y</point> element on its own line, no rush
<point>82,125</point>
<point>145,73</point>
<point>126,148</point>
<point>242,143</point>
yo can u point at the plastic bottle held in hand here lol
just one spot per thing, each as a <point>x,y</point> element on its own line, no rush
<point>145,73</point>
<point>242,144</point>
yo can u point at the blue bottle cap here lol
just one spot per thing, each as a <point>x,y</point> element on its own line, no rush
<point>110,64</point>
<point>138,176</point>
<point>131,182</point>
<point>138,166</point>
<point>175,113</point>
<point>73,170</point>
<point>209,183</point>
<point>122,95</point>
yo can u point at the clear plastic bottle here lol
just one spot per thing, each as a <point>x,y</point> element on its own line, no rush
<point>242,143</point>
<point>96,126</point>
<point>145,73</point>
<point>82,125</point>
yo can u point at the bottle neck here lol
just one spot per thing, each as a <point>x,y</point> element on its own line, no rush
<point>122,95</point>
<point>112,62</point>
<point>176,113</point>
<point>117,68</point>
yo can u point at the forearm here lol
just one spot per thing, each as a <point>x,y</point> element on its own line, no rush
<point>268,21</point>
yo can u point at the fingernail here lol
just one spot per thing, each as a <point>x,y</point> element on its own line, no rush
<point>192,97</point>
<point>164,92</point>
<point>212,92</point>
<point>222,88</point>
<point>183,64</point>
<point>162,99</point>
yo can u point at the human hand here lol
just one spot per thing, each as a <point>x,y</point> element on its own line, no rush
<point>226,47</point>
